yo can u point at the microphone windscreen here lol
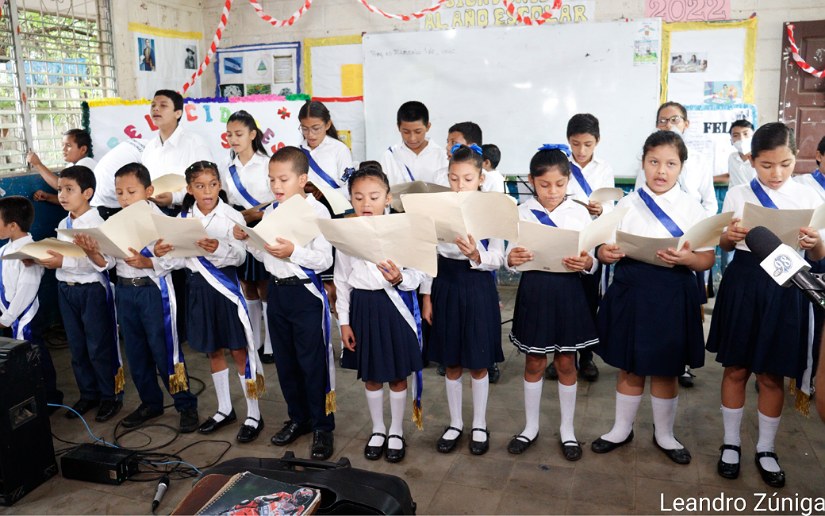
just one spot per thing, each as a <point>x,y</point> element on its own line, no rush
<point>762,242</point>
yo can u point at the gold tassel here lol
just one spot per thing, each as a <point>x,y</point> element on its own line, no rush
<point>330,403</point>
<point>418,415</point>
<point>252,389</point>
<point>120,380</point>
<point>802,402</point>
<point>177,381</point>
<point>260,383</point>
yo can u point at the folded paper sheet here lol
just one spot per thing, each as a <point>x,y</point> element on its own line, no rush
<point>334,196</point>
<point>182,234</point>
<point>169,183</point>
<point>458,214</point>
<point>39,250</point>
<point>783,223</point>
<point>409,240</point>
<point>413,187</point>
<point>131,227</point>
<point>294,220</point>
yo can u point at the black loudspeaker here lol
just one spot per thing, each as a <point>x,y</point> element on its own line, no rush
<point>26,450</point>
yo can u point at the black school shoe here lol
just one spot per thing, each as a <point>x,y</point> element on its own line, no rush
<point>773,479</point>
<point>604,446</point>
<point>447,445</point>
<point>393,455</point>
<point>572,450</point>
<point>494,373</point>
<point>375,452</point>
<point>249,433</point>
<point>141,415</point>
<point>108,409</point>
<point>290,432</point>
<point>210,425</point>
<point>725,469</point>
<point>81,407</point>
<point>189,420</point>
<point>519,444</point>
<point>479,447</point>
<point>679,455</point>
<point>322,441</point>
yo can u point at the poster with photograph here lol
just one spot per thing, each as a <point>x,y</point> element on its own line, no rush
<point>232,90</point>
<point>688,62</point>
<point>709,130</point>
<point>723,92</point>
<point>270,69</point>
<point>165,59</point>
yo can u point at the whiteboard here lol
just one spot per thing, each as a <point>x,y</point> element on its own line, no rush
<point>520,84</point>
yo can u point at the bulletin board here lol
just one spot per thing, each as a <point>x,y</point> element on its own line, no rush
<point>269,69</point>
<point>709,62</point>
<point>521,85</point>
<point>164,59</point>
<point>333,74</point>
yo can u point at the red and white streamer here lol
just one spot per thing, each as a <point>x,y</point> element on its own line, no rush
<point>280,23</point>
<point>216,41</point>
<point>404,17</point>
<point>819,74</point>
<point>527,20</point>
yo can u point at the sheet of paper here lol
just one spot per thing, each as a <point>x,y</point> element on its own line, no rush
<point>606,194</point>
<point>706,232</point>
<point>602,229</point>
<point>169,183</point>
<point>458,214</point>
<point>549,246</point>
<point>39,250</point>
<point>105,244</point>
<point>294,220</point>
<point>818,218</point>
<point>783,223</point>
<point>182,234</point>
<point>410,188</point>
<point>643,248</point>
<point>131,227</point>
<point>407,239</point>
<point>334,196</point>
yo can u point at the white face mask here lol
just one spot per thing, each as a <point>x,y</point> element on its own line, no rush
<point>743,146</point>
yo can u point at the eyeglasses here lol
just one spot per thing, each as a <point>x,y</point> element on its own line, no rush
<point>315,130</point>
<point>675,119</point>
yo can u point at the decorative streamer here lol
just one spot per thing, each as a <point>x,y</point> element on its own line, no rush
<point>526,20</point>
<point>406,17</point>
<point>280,23</point>
<point>819,74</point>
<point>216,41</point>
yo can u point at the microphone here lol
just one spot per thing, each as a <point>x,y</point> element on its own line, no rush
<point>163,485</point>
<point>784,265</point>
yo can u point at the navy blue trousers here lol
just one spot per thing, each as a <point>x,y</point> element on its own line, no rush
<point>91,338</point>
<point>140,314</point>
<point>300,351</point>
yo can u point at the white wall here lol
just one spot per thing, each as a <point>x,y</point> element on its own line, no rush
<point>345,17</point>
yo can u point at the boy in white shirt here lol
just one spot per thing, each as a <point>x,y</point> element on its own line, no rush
<point>493,180</point>
<point>77,146</point>
<point>740,170</point>
<point>414,159</point>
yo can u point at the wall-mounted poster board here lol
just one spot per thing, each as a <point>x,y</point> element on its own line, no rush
<point>164,59</point>
<point>520,84</point>
<point>270,69</point>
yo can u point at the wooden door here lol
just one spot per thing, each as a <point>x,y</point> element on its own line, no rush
<point>801,95</point>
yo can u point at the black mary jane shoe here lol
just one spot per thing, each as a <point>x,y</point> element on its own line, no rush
<point>374,452</point>
<point>725,469</point>
<point>519,444</point>
<point>772,478</point>
<point>447,445</point>
<point>679,455</point>
<point>572,450</point>
<point>479,447</point>
<point>210,425</point>
<point>393,455</point>
<point>249,433</point>
<point>604,446</point>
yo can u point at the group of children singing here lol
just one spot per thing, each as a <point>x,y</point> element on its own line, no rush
<point>647,324</point>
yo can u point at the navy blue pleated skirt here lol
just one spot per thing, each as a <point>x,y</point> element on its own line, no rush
<point>386,347</point>
<point>649,322</point>
<point>466,329</point>
<point>756,323</point>
<point>552,314</point>
<point>212,321</point>
<point>252,270</point>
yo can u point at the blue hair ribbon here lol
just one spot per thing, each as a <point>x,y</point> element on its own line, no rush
<point>348,172</point>
<point>556,146</point>
<point>473,147</point>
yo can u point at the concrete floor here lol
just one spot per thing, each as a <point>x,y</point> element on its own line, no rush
<point>636,479</point>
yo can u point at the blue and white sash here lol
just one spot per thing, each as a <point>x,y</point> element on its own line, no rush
<point>398,159</point>
<point>105,281</point>
<point>320,171</point>
<point>544,218</point>
<point>21,327</point>
<point>253,370</point>
<point>236,180</point>
<point>817,175</point>
<point>579,176</point>
<point>175,365</point>
<point>317,288</point>
<point>406,302</point>
<point>660,214</point>
<point>762,195</point>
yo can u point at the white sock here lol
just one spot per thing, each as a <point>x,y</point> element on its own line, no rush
<point>664,416</point>
<point>732,421</point>
<point>626,408</point>
<point>267,342</point>
<point>768,427</point>
<point>398,404</point>
<point>532,404</point>
<point>375,402</point>
<point>453,388</point>
<point>221,381</point>
<point>252,409</point>
<point>481,388</point>
<point>567,406</point>
<point>254,308</point>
